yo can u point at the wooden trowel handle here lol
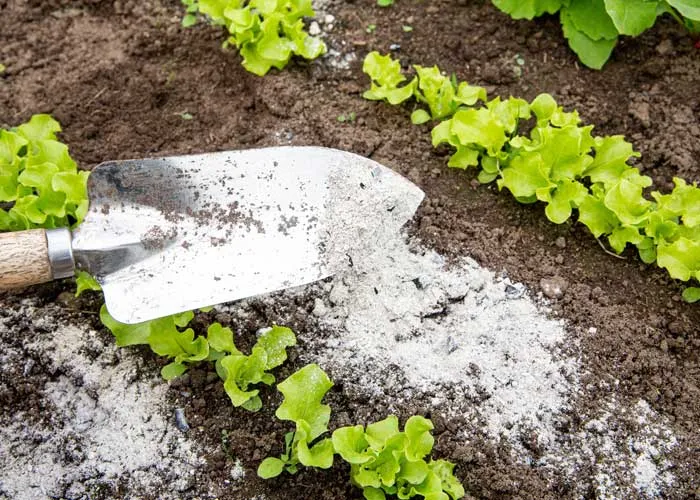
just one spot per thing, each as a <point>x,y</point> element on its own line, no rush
<point>26,258</point>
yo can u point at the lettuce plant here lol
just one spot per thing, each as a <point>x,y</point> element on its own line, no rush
<point>593,27</point>
<point>40,185</point>
<point>303,392</point>
<point>166,337</point>
<point>239,371</point>
<point>385,461</point>
<point>267,33</point>
<point>559,163</point>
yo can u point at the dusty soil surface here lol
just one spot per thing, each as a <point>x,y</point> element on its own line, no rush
<point>119,75</point>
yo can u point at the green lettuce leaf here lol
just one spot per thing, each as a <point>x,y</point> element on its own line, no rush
<point>528,9</point>
<point>688,8</point>
<point>632,17</point>
<point>591,18</point>
<point>592,53</point>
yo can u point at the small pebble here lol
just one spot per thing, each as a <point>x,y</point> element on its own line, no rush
<point>560,242</point>
<point>451,345</point>
<point>515,291</point>
<point>28,365</point>
<point>319,308</point>
<point>555,287</point>
<point>181,420</point>
<point>314,29</point>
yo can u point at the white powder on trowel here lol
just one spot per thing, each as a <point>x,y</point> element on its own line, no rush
<point>107,424</point>
<point>405,324</point>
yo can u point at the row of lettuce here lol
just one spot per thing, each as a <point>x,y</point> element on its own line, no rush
<point>267,33</point>
<point>383,459</point>
<point>559,163</point>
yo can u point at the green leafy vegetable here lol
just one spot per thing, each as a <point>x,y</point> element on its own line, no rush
<point>164,337</point>
<point>632,17</point>
<point>385,461</point>
<point>528,9</point>
<point>267,33</point>
<point>39,181</point>
<point>593,53</point>
<point>239,371</point>
<point>559,163</point>
<point>592,27</point>
<point>303,392</point>
<point>85,282</point>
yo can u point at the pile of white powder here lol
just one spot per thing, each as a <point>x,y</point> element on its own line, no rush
<point>403,328</point>
<point>108,424</point>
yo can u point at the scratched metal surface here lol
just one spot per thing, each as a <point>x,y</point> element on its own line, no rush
<point>172,234</point>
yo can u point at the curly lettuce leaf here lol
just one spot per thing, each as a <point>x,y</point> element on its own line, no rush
<point>39,179</point>
<point>239,371</point>
<point>267,33</point>
<point>303,392</point>
<point>385,74</point>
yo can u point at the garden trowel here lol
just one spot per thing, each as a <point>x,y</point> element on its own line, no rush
<point>168,235</point>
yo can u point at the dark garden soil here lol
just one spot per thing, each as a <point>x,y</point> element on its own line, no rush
<point>119,76</point>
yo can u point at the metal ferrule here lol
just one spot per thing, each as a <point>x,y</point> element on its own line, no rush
<point>60,252</point>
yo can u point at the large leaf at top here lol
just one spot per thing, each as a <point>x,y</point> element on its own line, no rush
<point>689,8</point>
<point>528,9</point>
<point>591,18</point>
<point>632,17</point>
<point>592,53</point>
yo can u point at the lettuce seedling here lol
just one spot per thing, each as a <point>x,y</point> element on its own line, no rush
<point>239,371</point>
<point>303,392</point>
<point>40,185</point>
<point>385,461</point>
<point>164,337</point>
<point>267,33</point>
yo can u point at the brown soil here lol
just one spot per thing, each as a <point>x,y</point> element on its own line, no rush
<point>118,76</point>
